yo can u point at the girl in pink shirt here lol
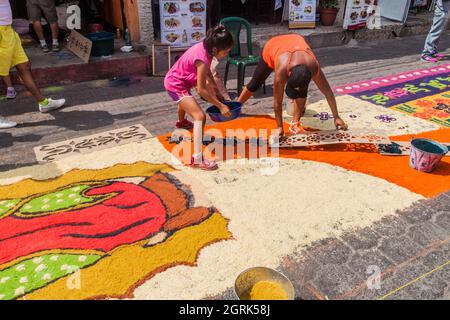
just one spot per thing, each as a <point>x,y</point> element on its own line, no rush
<point>193,69</point>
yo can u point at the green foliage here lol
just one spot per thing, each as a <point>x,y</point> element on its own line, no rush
<point>327,4</point>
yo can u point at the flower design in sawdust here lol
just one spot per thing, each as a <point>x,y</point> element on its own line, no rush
<point>324,116</point>
<point>385,118</point>
<point>442,101</point>
<point>442,107</point>
<point>425,103</point>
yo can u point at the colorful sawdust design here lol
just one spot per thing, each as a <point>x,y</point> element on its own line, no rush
<point>425,95</point>
<point>127,222</point>
<point>391,80</point>
<point>363,158</point>
<point>435,109</point>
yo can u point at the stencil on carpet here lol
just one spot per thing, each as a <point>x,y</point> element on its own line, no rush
<point>91,143</point>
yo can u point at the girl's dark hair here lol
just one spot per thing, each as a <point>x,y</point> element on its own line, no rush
<point>218,37</point>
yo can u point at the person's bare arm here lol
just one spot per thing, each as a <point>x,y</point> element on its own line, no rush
<point>323,85</point>
<point>278,94</point>
<point>204,78</point>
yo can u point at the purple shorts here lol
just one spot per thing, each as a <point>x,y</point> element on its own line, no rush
<point>178,96</point>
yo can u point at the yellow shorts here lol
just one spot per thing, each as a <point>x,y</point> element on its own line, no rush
<point>11,50</point>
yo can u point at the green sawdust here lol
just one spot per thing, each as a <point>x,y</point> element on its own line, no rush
<point>34,273</point>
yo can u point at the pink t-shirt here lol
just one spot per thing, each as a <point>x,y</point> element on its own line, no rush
<point>183,75</point>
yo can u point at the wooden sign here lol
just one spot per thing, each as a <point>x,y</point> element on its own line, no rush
<point>79,45</point>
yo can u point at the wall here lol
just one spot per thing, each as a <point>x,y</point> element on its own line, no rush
<point>340,17</point>
<point>146,21</point>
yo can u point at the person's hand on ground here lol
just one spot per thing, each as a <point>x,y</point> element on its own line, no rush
<point>340,124</point>
<point>280,132</point>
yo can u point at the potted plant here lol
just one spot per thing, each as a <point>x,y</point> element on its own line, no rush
<point>328,12</point>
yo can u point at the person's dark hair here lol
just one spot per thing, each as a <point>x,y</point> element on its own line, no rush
<point>218,37</point>
<point>298,82</point>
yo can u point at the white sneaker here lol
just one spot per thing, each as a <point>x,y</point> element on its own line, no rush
<point>5,124</point>
<point>52,105</point>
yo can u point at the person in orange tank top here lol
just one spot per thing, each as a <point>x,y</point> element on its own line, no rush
<point>295,65</point>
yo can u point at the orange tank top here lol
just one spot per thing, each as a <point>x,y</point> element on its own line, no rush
<point>285,43</point>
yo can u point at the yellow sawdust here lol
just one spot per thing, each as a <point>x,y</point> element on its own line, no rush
<point>28,187</point>
<point>128,266</point>
<point>268,290</point>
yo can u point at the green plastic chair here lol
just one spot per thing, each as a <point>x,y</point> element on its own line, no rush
<point>235,25</point>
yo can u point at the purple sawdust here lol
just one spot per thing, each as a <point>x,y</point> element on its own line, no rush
<point>323,116</point>
<point>385,118</point>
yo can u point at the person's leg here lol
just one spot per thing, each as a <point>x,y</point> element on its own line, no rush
<point>35,16</point>
<point>54,27</point>
<point>24,70</point>
<point>7,81</point>
<point>182,122</point>
<point>6,55</point>
<point>45,105</point>
<point>49,9</point>
<point>438,26</point>
<point>10,91</point>
<point>190,106</point>
<point>299,108</point>
<point>181,114</point>
<point>262,72</point>
<point>39,30</point>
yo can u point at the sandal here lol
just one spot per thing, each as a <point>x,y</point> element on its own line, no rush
<point>296,127</point>
<point>184,124</point>
<point>206,165</point>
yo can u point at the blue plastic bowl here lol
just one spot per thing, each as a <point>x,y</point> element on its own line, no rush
<point>216,116</point>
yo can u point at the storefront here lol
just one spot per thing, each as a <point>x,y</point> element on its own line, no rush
<point>144,21</point>
<point>95,14</point>
<point>255,11</point>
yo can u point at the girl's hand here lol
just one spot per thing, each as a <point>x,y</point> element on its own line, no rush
<point>224,110</point>
<point>340,124</point>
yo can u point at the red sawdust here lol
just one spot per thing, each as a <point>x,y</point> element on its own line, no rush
<point>361,158</point>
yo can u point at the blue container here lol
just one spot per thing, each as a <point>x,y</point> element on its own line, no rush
<point>216,116</point>
<point>102,43</point>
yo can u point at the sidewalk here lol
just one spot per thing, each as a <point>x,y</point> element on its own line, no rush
<point>65,68</point>
<point>321,36</point>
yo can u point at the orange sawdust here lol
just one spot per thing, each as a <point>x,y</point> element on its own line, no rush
<point>361,158</point>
